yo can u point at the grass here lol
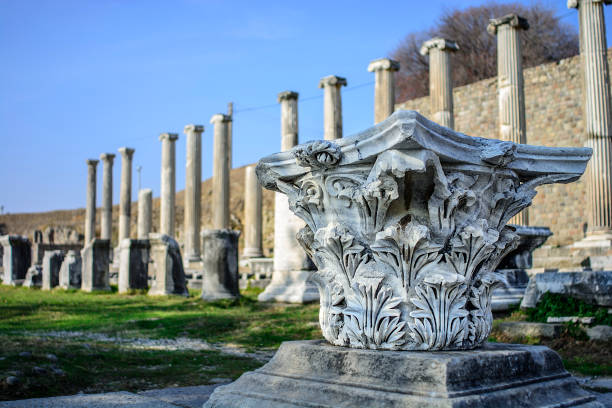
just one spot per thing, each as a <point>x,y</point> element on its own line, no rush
<point>244,321</point>
<point>99,366</point>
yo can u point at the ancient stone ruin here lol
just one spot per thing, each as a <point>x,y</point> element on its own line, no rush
<point>406,223</point>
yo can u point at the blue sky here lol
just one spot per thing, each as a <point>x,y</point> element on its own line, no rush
<point>84,77</point>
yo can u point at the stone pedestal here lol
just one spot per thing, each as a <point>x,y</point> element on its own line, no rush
<point>70,272</point>
<point>133,264</point>
<point>95,262</point>
<point>51,264</point>
<point>166,267</point>
<point>16,258</point>
<point>316,374</point>
<point>220,264</point>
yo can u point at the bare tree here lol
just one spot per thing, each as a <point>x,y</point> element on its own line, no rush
<point>548,39</point>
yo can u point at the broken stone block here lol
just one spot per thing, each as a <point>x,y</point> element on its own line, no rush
<point>95,259</point>
<point>70,271</point>
<point>166,267</point>
<point>133,264</point>
<point>51,264</point>
<point>33,277</point>
<point>16,258</point>
<point>220,264</point>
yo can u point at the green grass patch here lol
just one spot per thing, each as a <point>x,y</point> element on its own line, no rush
<point>555,305</point>
<point>244,321</point>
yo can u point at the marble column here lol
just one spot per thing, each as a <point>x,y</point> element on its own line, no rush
<point>125,195</point>
<point>168,183</point>
<point>252,215</point>
<point>90,206</point>
<point>145,213</point>
<point>440,79</point>
<point>510,92</point>
<point>230,133</point>
<point>292,267</point>
<point>193,192</point>
<point>384,87</point>
<point>221,172</point>
<point>598,116</point>
<point>106,229</point>
<point>332,106</point>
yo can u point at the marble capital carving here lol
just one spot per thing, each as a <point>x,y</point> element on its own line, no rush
<point>406,223</point>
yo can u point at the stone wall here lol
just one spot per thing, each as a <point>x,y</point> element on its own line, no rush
<point>553,104</point>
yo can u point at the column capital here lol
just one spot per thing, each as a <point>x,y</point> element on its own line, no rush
<point>92,162</point>
<point>220,118</point>
<point>193,129</point>
<point>127,152</point>
<point>168,136</point>
<point>332,80</point>
<point>440,43</point>
<point>514,20</point>
<point>287,95</point>
<point>381,64</point>
<point>107,157</point>
<point>576,3</point>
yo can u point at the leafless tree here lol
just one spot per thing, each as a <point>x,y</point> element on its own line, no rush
<point>548,39</point>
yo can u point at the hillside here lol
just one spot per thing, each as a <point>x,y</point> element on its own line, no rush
<point>26,223</point>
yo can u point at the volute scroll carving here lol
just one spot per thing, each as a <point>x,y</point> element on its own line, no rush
<point>406,223</point>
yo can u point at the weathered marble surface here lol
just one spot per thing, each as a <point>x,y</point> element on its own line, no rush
<point>51,264</point>
<point>220,264</point>
<point>70,272</point>
<point>16,258</point>
<point>166,267</point>
<point>33,278</point>
<point>406,223</point>
<point>133,264</point>
<point>95,262</point>
<point>594,287</point>
<point>316,374</point>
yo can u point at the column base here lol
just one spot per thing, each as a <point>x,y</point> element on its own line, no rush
<point>290,287</point>
<point>317,374</point>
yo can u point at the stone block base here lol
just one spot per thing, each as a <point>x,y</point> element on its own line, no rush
<point>316,374</point>
<point>290,287</point>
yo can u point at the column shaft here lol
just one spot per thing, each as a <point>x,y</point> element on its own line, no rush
<point>125,194</point>
<point>440,79</point>
<point>597,111</point>
<point>221,172</point>
<point>90,206</point>
<point>252,215</point>
<point>168,183</point>
<point>332,106</point>
<point>193,191</point>
<point>106,221</point>
<point>510,89</point>
<point>384,87</point>
<point>145,213</point>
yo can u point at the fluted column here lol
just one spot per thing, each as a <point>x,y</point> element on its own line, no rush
<point>384,87</point>
<point>332,106</point>
<point>106,221</point>
<point>145,213</point>
<point>440,79</point>
<point>193,191</point>
<point>168,183</point>
<point>510,92</point>
<point>252,215</point>
<point>230,133</point>
<point>597,111</point>
<point>125,194</point>
<point>90,206</point>
<point>221,172</point>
